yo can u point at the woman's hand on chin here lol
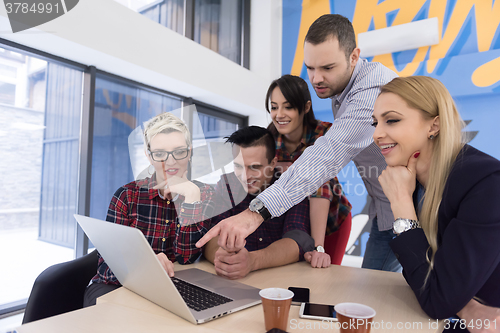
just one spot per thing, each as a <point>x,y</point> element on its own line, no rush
<point>180,185</point>
<point>398,182</point>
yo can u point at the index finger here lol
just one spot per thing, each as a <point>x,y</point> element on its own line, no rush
<point>160,185</point>
<point>214,232</point>
<point>170,269</point>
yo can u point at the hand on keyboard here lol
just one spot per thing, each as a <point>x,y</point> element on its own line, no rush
<point>168,266</point>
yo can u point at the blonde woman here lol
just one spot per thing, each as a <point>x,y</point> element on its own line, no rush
<point>445,198</point>
<point>170,210</point>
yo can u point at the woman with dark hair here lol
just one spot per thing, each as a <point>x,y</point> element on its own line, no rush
<point>295,128</point>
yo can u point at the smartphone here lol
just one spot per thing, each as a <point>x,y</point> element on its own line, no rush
<point>300,295</point>
<point>318,312</point>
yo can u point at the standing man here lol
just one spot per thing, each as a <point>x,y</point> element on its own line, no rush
<point>335,71</point>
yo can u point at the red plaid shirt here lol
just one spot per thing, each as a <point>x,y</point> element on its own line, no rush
<point>138,205</point>
<point>332,190</point>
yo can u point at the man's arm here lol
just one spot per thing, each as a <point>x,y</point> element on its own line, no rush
<point>295,241</point>
<point>210,248</point>
<point>349,135</point>
<point>238,265</point>
<point>282,252</point>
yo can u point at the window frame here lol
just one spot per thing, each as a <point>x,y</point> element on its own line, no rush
<point>90,74</point>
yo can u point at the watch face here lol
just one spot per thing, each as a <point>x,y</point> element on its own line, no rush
<point>400,226</point>
<point>256,205</point>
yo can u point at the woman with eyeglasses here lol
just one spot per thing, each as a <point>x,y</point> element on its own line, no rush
<point>172,211</point>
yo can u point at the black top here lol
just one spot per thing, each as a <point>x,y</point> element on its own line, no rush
<point>467,262</point>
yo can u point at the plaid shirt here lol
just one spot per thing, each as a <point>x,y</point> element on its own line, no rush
<point>231,198</point>
<point>140,206</point>
<point>332,190</point>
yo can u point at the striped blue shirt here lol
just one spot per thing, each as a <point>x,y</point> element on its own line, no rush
<point>349,138</point>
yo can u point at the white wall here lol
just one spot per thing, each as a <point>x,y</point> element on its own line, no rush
<point>115,39</point>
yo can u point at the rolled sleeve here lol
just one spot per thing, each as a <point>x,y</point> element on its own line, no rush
<point>303,240</point>
<point>193,223</point>
<point>297,227</point>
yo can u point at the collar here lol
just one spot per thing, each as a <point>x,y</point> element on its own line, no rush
<point>156,192</point>
<point>280,141</point>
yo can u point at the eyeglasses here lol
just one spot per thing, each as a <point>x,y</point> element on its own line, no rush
<point>163,155</point>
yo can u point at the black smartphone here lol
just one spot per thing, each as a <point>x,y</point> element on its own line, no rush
<point>300,295</point>
<point>318,312</point>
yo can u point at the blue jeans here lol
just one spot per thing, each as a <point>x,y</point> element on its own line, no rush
<point>378,254</point>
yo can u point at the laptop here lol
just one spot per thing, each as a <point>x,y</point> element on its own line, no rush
<point>192,294</point>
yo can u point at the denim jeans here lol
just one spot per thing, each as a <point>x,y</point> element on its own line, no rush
<point>378,254</point>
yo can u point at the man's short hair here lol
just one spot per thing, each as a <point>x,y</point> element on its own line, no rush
<point>253,136</point>
<point>330,26</point>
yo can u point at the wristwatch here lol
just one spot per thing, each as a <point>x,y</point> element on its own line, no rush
<point>257,206</point>
<point>320,249</point>
<point>401,225</point>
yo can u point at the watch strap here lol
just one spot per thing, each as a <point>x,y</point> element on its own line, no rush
<point>264,213</point>
<point>320,249</point>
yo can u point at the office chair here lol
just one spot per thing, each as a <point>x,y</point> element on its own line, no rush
<point>335,244</point>
<point>60,288</point>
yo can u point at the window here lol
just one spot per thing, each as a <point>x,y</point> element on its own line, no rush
<point>169,13</point>
<point>40,110</point>
<point>212,158</point>
<point>120,110</point>
<point>45,142</point>
<point>217,26</point>
<point>220,25</point>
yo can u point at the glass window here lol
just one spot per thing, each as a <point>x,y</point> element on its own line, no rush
<point>169,13</point>
<point>211,157</point>
<point>118,152</point>
<point>217,26</point>
<point>40,110</point>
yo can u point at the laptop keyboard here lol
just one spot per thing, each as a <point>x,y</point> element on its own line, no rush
<point>198,298</point>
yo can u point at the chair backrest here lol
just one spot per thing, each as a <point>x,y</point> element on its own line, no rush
<point>60,288</point>
<point>358,223</point>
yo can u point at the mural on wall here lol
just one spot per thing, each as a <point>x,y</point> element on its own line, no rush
<point>466,60</point>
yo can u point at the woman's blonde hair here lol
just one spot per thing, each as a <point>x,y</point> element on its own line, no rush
<point>164,123</point>
<point>432,98</point>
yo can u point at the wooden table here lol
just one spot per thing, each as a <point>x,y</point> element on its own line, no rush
<point>386,292</point>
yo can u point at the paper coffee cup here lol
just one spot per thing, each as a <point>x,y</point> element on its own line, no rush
<point>354,317</point>
<point>276,303</point>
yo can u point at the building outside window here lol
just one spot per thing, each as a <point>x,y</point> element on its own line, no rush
<point>40,110</point>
